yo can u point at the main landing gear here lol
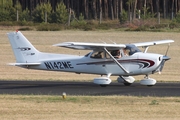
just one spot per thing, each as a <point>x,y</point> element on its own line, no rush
<point>126,80</point>
<point>103,81</point>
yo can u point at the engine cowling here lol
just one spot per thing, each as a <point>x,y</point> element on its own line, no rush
<point>102,81</point>
<point>148,81</point>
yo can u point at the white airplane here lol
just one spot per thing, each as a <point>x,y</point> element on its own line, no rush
<point>123,60</point>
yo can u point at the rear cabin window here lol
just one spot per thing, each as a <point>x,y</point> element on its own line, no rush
<point>98,55</point>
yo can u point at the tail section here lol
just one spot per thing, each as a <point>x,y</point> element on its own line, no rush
<point>24,51</point>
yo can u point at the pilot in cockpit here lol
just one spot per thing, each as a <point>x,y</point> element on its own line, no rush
<point>126,52</point>
<point>118,54</point>
<point>98,55</point>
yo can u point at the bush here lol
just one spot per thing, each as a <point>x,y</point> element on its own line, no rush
<point>88,27</point>
<point>39,13</point>
<point>123,17</point>
<point>173,25</point>
<point>6,23</point>
<point>160,26</point>
<point>140,28</point>
<point>104,26</point>
<point>25,29</point>
<point>25,15</point>
<point>7,11</point>
<point>177,18</point>
<point>60,15</point>
<point>49,27</point>
<point>25,23</point>
<point>81,24</point>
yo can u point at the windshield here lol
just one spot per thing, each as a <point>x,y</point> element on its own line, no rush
<point>87,54</point>
<point>132,49</point>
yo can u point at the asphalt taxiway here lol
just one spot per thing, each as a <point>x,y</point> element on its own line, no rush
<point>87,88</point>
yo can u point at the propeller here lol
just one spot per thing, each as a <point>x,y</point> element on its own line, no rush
<point>165,58</point>
<point>167,49</point>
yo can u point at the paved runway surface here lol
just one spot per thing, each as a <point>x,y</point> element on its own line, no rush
<point>86,88</point>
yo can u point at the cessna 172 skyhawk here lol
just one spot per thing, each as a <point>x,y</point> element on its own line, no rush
<point>123,60</point>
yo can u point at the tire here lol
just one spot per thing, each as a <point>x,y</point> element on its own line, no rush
<point>127,84</point>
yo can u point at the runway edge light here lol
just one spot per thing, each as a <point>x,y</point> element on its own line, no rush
<point>64,95</point>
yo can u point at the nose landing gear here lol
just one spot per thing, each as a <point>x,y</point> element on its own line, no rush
<point>148,81</point>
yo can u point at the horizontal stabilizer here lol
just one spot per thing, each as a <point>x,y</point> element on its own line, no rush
<point>21,64</point>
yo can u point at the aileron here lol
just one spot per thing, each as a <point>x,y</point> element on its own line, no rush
<point>153,43</point>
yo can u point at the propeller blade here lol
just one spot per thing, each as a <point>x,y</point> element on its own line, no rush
<point>165,58</point>
<point>167,49</point>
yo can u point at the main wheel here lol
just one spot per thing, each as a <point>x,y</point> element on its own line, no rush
<point>127,84</point>
<point>103,85</point>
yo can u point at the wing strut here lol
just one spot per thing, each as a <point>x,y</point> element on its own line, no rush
<point>116,61</point>
<point>145,48</point>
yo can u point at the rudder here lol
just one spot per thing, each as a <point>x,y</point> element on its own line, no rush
<point>23,50</point>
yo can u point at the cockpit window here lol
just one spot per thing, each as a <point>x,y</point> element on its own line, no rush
<point>126,52</point>
<point>123,52</point>
<point>132,49</point>
<point>98,55</point>
<point>87,54</point>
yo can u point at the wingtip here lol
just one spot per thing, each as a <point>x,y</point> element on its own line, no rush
<point>11,64</point>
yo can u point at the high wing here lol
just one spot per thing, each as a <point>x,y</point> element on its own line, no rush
<point>90,46</point>
<point>152,43</point>
<point>95,46</point>
<point>101,46</point>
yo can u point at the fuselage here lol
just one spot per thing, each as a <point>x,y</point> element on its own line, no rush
<point>138,63</point>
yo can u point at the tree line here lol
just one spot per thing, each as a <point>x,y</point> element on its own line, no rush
<point>59,11</point>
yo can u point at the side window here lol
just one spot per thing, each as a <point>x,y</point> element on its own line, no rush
<point>114,53</point>
<point>118,53</point>
<point>98,55</point>
<point>107,56</point>
<point>126,52</point>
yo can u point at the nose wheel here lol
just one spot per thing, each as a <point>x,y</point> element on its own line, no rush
<point>148,81</point>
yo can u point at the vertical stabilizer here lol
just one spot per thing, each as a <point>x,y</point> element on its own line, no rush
<point>23,50</point>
